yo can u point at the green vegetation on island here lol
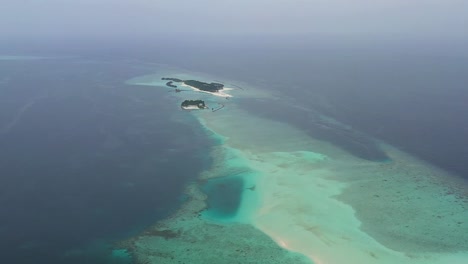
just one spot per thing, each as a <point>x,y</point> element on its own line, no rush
<point>209,87</point>
<point>172,79</point>
<point>203,86</point>
<point>171,85</point>
<point>193,103</point>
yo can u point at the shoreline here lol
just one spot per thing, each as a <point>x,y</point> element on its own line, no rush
<point>192,108</point>
<point>220,93</point>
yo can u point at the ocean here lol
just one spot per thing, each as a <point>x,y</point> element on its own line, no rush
<point>89,160</point>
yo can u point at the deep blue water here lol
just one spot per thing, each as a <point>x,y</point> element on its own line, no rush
<point>86,160</point>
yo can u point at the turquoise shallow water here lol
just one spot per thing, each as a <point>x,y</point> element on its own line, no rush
<point>319,187</point>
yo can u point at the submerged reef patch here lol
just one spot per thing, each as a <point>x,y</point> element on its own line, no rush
<point>224,196</point>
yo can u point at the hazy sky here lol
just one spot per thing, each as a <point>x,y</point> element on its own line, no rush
<point>419,18</point>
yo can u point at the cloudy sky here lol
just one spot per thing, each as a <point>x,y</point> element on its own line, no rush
<point>420,18</point>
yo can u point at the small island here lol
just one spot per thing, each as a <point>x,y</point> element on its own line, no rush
<point>171,85</point>
<point>203,86</point>
<point>172,79</point>
<point>193,104</point>
<point>208,87</point>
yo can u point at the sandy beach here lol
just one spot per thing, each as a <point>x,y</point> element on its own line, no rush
<point>220,93</point>
<point>191,107</point>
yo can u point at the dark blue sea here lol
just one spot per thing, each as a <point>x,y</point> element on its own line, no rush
<point>86,160</point>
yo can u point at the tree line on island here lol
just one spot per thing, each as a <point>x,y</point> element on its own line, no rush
<point>203,86</point>
<point>197,103</point>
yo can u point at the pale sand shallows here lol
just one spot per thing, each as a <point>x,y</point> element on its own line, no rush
<point>311,197</point>
<point>306,189</point>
